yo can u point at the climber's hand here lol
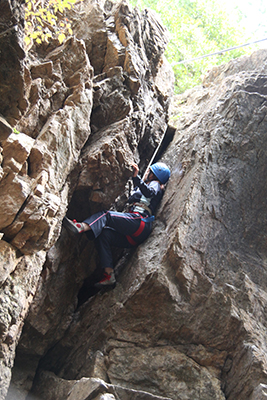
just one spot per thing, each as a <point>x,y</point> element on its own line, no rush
<point>135,169</point>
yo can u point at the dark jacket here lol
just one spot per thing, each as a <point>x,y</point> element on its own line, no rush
<point>149,193</point>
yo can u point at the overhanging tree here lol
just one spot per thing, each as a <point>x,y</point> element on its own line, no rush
<point>46,20</point>
<point>197,27</point>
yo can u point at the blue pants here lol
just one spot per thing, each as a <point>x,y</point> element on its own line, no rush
<point>111,228</point>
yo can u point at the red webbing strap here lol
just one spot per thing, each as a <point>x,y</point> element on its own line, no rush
<point>140,229</point>
<point>137,233</point>
<point>130,240</point>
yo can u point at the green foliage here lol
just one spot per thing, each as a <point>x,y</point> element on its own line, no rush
<point>45,19</point>
<point>196,27</point>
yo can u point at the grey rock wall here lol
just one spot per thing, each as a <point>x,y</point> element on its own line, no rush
<point>187,317</point>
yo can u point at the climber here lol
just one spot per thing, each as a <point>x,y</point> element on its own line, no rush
<point>126,230</point>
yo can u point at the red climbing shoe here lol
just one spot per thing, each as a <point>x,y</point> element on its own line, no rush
<point>106,281</point>
<point>74,226</point>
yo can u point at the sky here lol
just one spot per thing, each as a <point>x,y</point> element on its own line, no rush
<point>253,17</point>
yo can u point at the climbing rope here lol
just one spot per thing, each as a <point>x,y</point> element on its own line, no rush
<point>217,52</point>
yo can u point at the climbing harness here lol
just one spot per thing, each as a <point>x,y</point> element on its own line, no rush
<point>141,208</point>
<point>140,229</point>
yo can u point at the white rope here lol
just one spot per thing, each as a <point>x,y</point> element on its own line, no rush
<point>217,52</point>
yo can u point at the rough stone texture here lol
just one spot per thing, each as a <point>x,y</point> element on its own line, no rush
<point>13,101</point>
<point>87,388</point>
<point>84,114</point>
<point>225,233</point>
<point>5,129</point>
<point>33,188</point>
<point>16,295</point>
<point>187,319</point>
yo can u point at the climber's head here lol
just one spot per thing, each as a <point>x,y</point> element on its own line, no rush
<point>161,172</point>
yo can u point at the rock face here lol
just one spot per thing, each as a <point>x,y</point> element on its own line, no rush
<point>187,317</point>
<point>84,112</point>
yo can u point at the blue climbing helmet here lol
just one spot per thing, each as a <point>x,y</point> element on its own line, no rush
<point>161,171</point>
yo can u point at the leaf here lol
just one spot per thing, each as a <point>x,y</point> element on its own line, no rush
<point>47,37</point>
<point>27,40</point>
<point>35,35</point>
<point>61,38</point>
<point>40,12</point>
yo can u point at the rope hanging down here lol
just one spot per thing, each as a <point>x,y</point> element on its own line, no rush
<point>217,52</point>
